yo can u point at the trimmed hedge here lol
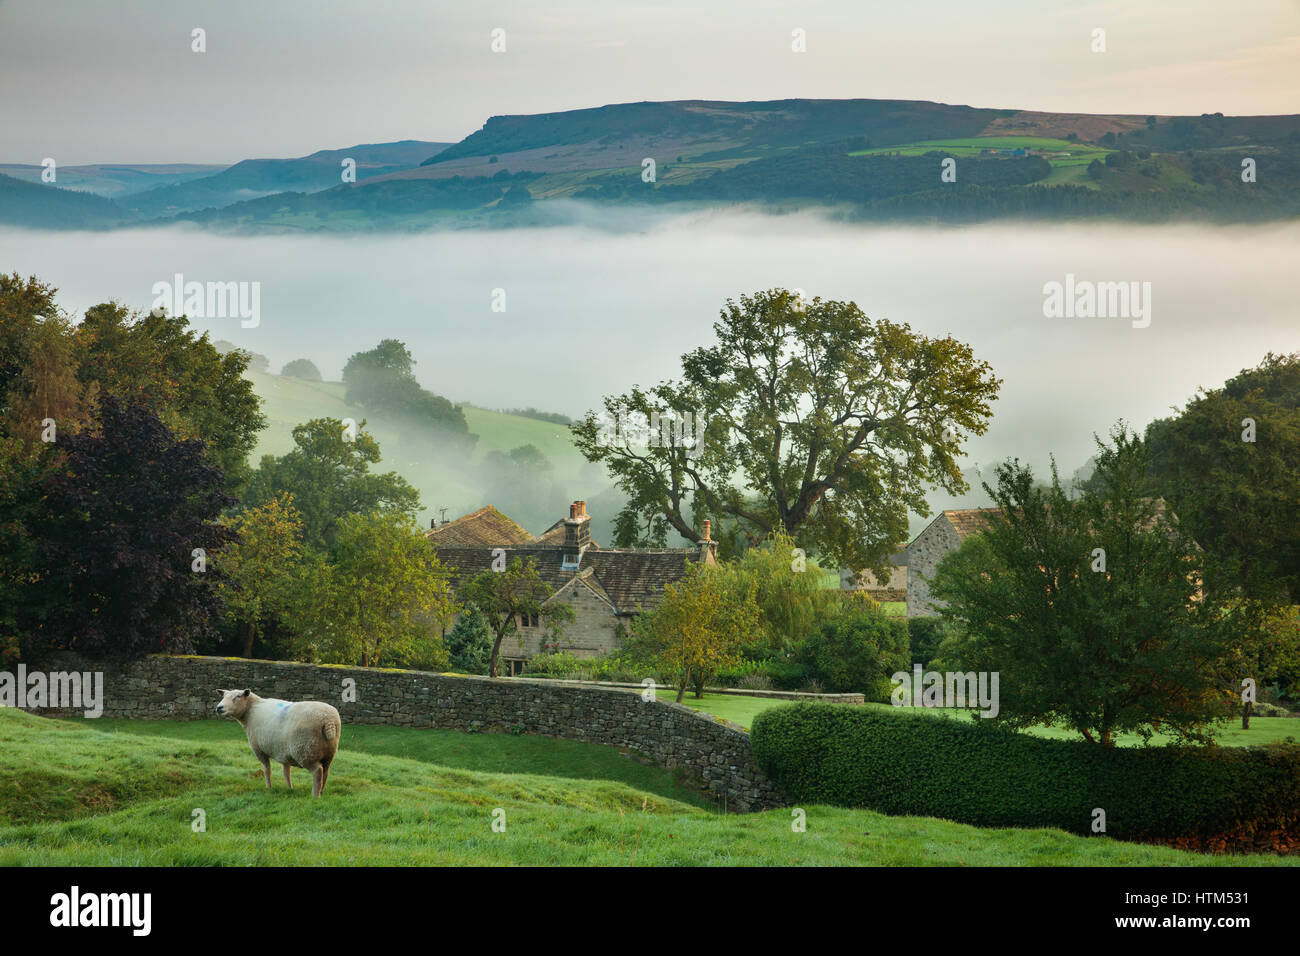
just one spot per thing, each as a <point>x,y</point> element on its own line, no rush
<point>923,764</point>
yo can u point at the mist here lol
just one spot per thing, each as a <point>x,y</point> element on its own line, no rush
<point>607,301</point>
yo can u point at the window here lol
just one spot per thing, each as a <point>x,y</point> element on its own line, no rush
<point>529,620</point>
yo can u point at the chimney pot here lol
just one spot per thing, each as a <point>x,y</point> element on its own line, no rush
<point>707,527</point>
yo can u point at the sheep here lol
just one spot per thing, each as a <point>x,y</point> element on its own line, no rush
<point>303,734</point>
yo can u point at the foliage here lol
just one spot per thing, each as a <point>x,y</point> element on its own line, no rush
<point>469,643</point>
<point>259,566</point>
<point>329,478</point>
<point>925,634</point>
<point>857,653</point>
<point>786,587</point>
<point>516,591</point>
<point>1091,609</point>
<point>1240,499</point>
<point>380,597</point>
<point>698,627</point>
<point>198,392</point>
<point>837,423</point>
<point>302,368</point>
<point>121,515</point>
<point>383,380</point>
<point>900,762</point>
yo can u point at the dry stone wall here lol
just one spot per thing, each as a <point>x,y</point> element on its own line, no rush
<point>715,753</point>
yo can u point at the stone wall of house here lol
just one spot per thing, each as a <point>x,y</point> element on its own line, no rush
<point>715,753</point>
<point>923,556</point>
<point>592,632</point>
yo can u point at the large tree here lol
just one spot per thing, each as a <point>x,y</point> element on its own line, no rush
<point>328,474</point>
<point>699,626</point>
<point>812,419</point>
<point>261,565</point>
<point>380,597</point>
<point>195,389</point>
<point>1229,463</point>
<point>1091,609</point>
<point>120,521</point>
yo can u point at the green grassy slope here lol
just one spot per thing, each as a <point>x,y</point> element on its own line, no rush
<point>73,794</point>
<point>450,484</point>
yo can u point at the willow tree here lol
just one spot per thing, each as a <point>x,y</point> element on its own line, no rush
<point>805,417</point>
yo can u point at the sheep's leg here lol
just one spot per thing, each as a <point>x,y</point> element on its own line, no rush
<point>286,777</point>
<point>324,774</point>
<point>266,769</point>
<point>317,778</point>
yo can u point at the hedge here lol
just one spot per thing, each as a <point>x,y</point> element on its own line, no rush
<point>924,764</point>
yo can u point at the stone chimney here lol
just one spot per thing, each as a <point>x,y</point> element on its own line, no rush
<point>708,547</point>
<point>577,528</point>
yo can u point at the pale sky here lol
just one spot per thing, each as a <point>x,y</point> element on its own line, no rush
<point>87,81</point>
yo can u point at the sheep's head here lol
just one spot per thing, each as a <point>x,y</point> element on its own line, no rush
<point>233,703</point>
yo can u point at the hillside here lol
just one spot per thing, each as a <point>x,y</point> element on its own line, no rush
<point>253,178</point>
<point>47,206</point>
<point>114,180</point>
<point>862,159</point>
<point>453,483</point>
<point>122,793</point>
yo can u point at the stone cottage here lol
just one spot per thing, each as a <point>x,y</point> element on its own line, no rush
<point>606,587</point>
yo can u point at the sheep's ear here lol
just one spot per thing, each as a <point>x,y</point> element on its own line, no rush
<point>222,691</point>
<point>245,693</point>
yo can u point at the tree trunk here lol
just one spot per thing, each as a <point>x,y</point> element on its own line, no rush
<point>1246,710</point>
<point>496,649</point>
<point>248,645</point>
<point>681,685</point>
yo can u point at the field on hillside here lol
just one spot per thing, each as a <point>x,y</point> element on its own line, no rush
<point>130,793</point>
<point>452,484</point>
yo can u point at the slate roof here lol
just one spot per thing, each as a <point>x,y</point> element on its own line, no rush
<point>486,527</point>
<point>625,578</point>
<point>967,521</point>
<point>554,536</point>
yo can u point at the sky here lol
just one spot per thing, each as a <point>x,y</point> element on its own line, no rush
<point>87,82</point>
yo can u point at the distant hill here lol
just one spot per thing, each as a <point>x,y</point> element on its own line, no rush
<point>862,159</point>
<point>253,178</point>
<point>114,180</point>
<point>47,206</point>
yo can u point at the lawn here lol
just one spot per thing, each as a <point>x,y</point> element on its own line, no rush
<point>742,710</point>
<point>128,793</point>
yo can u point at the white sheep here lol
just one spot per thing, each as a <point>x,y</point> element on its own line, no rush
<point>303,734</point>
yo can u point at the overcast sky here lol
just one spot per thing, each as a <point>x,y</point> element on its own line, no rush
<point>117,82</point>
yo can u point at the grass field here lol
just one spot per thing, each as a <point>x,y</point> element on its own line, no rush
<point>742,710</point>
<point>125,793</point>
<point>1072,169</point>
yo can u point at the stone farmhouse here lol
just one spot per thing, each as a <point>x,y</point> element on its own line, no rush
<point>606,587</point>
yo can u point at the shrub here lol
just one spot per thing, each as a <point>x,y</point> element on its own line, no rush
<point>755,682</point>
<point>925,634</point>
<point>469,643</point>
<point>907,762</point>
<point>857,652</point>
